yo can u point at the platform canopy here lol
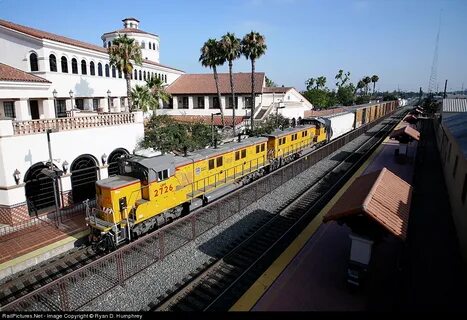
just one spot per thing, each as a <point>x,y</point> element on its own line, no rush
<point>381,196</point>
<point>405,134</point>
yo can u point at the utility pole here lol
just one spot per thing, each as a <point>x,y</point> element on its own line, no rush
<point>53,174</point>
<point>445,86</point>
<point>434,66</point>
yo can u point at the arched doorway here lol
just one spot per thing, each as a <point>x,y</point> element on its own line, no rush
<point>39,189</point>
<point>83,178</point>
<point>113,160</point>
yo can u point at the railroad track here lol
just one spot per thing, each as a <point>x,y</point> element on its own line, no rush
<point>221,282</point>
<point>44,273</point>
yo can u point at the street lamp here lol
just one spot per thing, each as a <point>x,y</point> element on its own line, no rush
<point>17,176</point>
<point>55,102</point>
<point>278,106</point>
<point>212,126</point>
<point>71,97</point>
<point>65,166</point>
<point>104,159</point>
<point>108,98</point>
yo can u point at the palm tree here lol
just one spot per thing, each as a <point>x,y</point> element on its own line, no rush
<point>360,85</point>
<point>211,56</point>
<point>141,97</point>
<point>367,81</point>
<point>320,82</point>
<point>157,92</point>
<point>231,50</point>
<point>310,83</point>
<point>121,53</point>
<point>374,79</point>
<point>253,47</point>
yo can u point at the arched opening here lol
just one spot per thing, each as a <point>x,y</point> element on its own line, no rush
<point>136,74</point>
<point>99,69</point>
<point>39,189</point>
<point>74,66</point>
<point>113,160</point>
<point>83,67</point>
<point>64,65</point>
<point>114,72</point>
<point>83,178</point>
<point>33,62</point>
<point>144,75</point>
<point>53,63</point>
<point>92,70</point>
<point>140,75</point>
<point>107,72</point>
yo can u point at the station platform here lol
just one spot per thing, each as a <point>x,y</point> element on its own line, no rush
<point>29,246</point>
<point>311,274</point>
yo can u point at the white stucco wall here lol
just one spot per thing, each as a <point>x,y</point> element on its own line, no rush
<point>22,151</point>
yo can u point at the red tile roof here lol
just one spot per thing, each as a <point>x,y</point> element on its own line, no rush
<point>207,119</point>
<point>276,89</point>
<point>205,84</point>
<point>381,196</point>
<point>406,130</point>
<point>8,73</point>
<point>54,37</point>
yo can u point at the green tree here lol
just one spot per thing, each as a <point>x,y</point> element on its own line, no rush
<point>366,80</point>
<point>157,93</point>
<point>231,50</point>
<point>253,47</point>
<point>342,78</point>
<point>346,94</point>
<point>270,83</point>
<point>374,79</point>
<point>211,56</point>
<point>310,83</point>
<point>360,86</point>
<point>122,52</point>
<point>321,82</point>
<point>141,97</point>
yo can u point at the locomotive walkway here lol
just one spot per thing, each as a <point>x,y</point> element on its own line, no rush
<point>311,273</point>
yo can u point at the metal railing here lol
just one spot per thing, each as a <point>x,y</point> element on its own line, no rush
<point>84,285</point>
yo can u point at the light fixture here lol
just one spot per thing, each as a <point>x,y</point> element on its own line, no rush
<point>17,176</point>
<point>71,93</point>
<point>55,93</point>
<point>65,166</point>
<point>104,159</point>
<point>109,93</point>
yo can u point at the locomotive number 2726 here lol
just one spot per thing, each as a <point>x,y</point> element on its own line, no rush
<point>162,190</point>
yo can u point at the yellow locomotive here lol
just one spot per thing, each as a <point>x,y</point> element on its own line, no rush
<point>151,192</point>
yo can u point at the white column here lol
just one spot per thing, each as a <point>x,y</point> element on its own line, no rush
<point>103,105</point>
<point>241,105</point>
<point>22,110</point>
<point>104,172</point>
<point>206,102</point>
<point>175,102</point>
<point>88,104</point>
<point>48,108</point>
<point>117,106</point>
<point>190,102</point>
<point>68,104</point>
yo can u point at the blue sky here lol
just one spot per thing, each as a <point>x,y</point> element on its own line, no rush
<point>394,39</point>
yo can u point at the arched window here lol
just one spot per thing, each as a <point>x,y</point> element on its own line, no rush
<point>109,44</point>
<point>33,62</point>
<point>53,63</point>
<point>144,75</point>
<point>92,70</point>
<point>107,71</point>
<point>136,74</point>
<point>143,45</point>
<point>64,63</point>
<point>165,78</point>
<point>99,69</point>
<point>114,156</point>
<point>119,74</point>
<point>140,75</point>
<point>150,45</point>
<point>74,66</point>
<point>114,72</point>
<point>83,67</point>
<point>39,189</point>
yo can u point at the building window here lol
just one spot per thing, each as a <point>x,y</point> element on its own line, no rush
<point>79,104</point>
<point>114,72</point>
<point>33,62</point>
<point>144,75</point>
<point>143,45</point>
<point>61,108</point>
<point>99,69</point>
<point>92,69</point>
<point>83,67</point>
<point>64,63</point>
<point>248,103</point>
<point>200,102</point>
<point>150,45</point>
<point>74,66</point>
<point>53,63</point>
<point>95,104</point>
<point>455,166</point>
<point>168,105</point>
<point>107,71</point>
<point>215,103</point>
<point>184,103</point>
<point>165,78</point>
<point>109,44</point>
<point>120,74</point>
<point>136,74</point>
<point>230,106</point>
<point>464,189</point>
<point>9,109</point>
<point>140,75</point>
